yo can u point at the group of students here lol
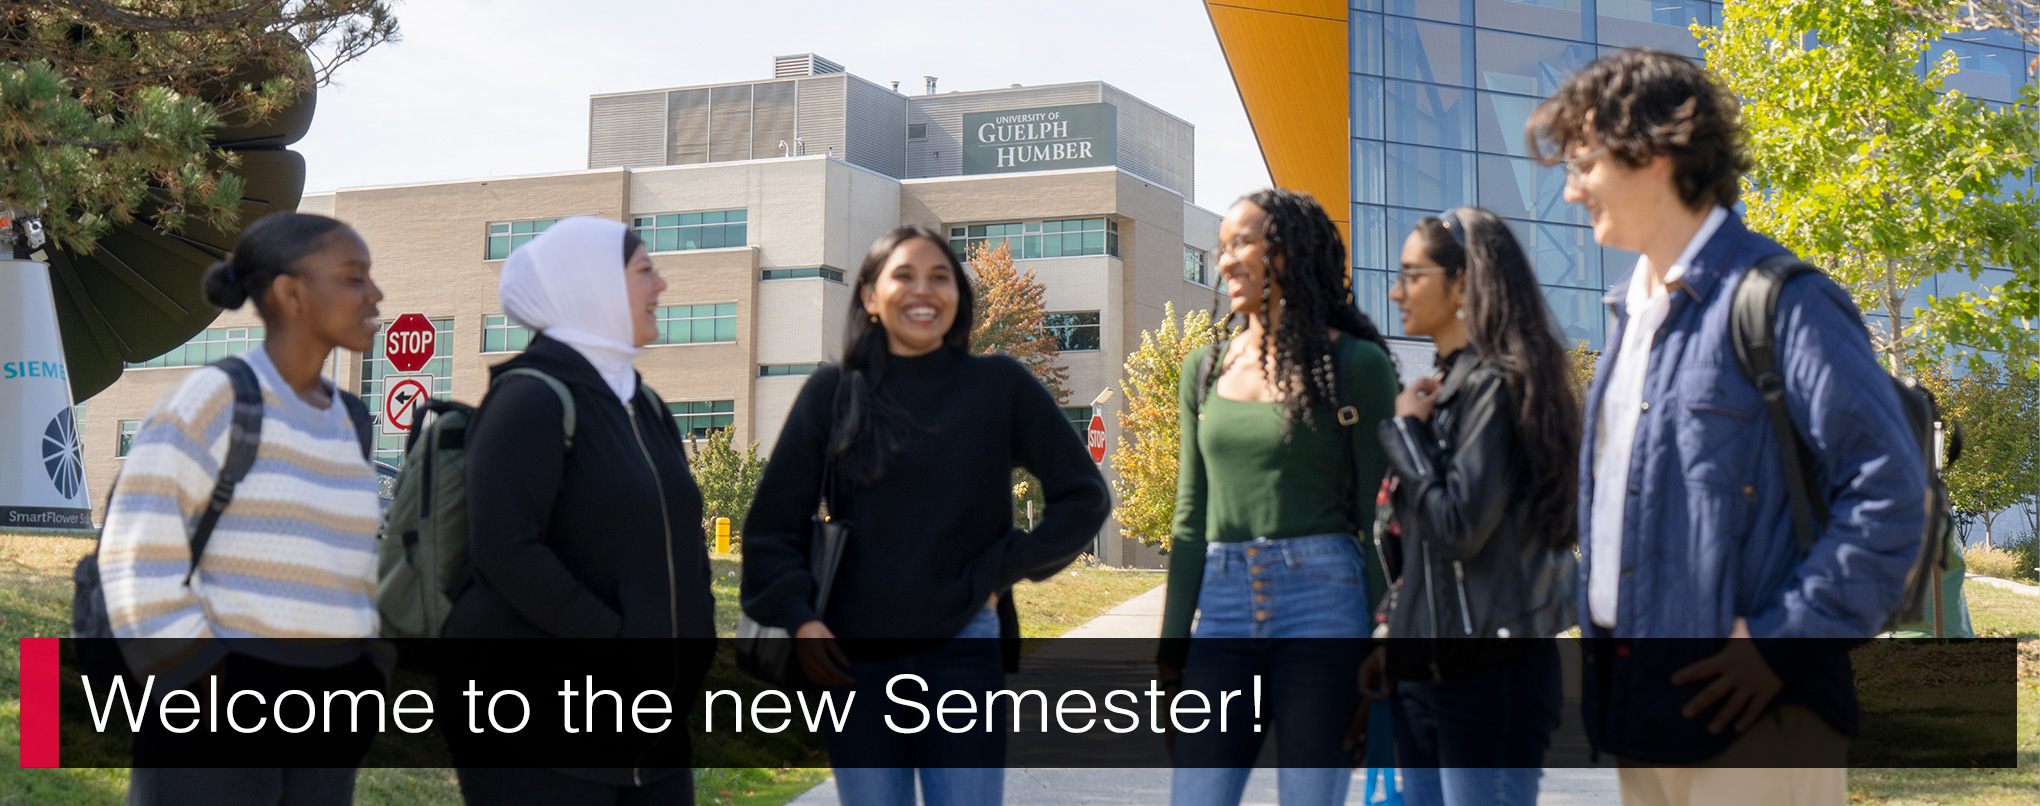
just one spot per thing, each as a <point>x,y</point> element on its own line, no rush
<point>1485,500</point>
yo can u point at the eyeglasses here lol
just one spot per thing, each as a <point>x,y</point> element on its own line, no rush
<point>1408,275</point>
<point>1573,170</point>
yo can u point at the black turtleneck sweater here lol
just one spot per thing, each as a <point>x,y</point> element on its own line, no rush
<point>933,538</point>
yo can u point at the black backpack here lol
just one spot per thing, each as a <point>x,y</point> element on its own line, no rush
<point>1754,311</point>
<point>88,603</point>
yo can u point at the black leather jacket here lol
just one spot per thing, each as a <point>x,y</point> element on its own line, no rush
<point>1468,568</point>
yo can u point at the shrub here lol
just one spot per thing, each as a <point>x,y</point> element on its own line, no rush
<point>2025,551</point>
<point>1992,561</point>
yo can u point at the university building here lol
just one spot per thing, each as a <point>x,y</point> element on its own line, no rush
<point>758,200</point>
<point>1393,110</point>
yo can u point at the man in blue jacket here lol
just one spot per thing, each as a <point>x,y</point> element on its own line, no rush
<point>1685,532</point>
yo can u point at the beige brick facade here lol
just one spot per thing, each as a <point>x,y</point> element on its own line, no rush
<point>807,213</point>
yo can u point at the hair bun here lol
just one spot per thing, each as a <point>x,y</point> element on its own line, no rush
<point>221,287</point>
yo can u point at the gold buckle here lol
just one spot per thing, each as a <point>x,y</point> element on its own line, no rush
<point>1349,415</point>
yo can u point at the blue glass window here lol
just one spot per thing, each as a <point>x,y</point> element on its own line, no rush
<point>1559,254</point>
<point>1520,188</point>
<point>1370,294</point>
<point>1577,316</point>
<point>1428,115</point>
<point>1429,52</point>
<point>1661,24</point>
<point>1370,237</point>
<point>1987,72</point>
<point>1368,182</point>
<point>1545,17</point>
<point>1363,32</point>
<point>1429,178</point>
<point>1528,65</point>
<point>1500,120</point>
<point>1366,107</point>
<point>1442,10</point>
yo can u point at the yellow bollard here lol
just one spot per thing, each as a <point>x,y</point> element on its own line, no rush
<point>722,535</point>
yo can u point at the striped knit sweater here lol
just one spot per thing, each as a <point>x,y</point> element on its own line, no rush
<point>294,553</point>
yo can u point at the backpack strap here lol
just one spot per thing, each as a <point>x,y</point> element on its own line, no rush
<point>364,423</point>
<point>1751,318</point>
<point>243,437</point>
<point>559,388</point>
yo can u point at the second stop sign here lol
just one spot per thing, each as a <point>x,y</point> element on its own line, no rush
<point>407,342</point>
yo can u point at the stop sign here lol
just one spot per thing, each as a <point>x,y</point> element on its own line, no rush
<point>407,342</point>
<point>1097,435</point>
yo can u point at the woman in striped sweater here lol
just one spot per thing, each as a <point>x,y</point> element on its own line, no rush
<point>293,555</point>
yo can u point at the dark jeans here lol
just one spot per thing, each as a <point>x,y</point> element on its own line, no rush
<point>1479,738</point>
<point>511,785</point>
<point>875,766</point>
<point>256,786</point>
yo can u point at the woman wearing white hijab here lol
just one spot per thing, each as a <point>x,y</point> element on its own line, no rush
<point>598,539</point>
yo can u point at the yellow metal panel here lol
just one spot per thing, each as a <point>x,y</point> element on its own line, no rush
<point>1288,58</point>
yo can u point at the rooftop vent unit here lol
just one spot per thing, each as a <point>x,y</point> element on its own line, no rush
<point>803,64</point>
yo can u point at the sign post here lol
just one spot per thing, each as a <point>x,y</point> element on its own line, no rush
<point>42,467</point>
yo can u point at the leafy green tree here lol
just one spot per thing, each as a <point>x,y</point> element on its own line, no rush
<point>1878,174</point>
<point>728,479</point>
<point>1583,357</point>
<point>1145,467</point>
<point>1999,413</point>
<point>106,105</point>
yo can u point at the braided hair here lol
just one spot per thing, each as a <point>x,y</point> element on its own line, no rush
<point>1297,353</point>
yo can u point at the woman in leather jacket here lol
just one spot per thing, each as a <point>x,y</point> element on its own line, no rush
<point>1482,459</point>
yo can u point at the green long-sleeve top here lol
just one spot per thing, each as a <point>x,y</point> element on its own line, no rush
<point>1238,479</point>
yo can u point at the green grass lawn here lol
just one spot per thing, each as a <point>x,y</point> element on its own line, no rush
<point>35,600</point>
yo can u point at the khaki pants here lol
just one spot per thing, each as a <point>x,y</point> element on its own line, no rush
<point>1734,777</point>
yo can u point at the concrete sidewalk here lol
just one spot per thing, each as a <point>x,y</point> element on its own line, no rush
<point>1141,617</point>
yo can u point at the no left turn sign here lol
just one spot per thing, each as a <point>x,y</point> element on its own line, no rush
<point>402,395</point>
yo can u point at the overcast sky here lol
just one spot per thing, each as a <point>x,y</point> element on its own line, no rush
<point>481,88</point>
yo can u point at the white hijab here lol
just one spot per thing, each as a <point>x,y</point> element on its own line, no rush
<point>569,284</point>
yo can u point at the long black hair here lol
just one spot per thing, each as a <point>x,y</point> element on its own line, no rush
<point>1508,325</point>
<point>267,249</point>
<point>1297,353</point>
<point>870,425</point>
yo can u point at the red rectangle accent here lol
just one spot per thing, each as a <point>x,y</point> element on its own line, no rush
<point>39,702</point>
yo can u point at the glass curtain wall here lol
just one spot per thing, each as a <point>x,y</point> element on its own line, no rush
<point>1441,89</point>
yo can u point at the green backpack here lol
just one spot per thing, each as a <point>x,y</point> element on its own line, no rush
<point>423,560</point>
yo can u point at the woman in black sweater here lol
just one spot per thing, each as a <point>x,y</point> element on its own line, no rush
<point>920,438</point>
<point>600,538</point>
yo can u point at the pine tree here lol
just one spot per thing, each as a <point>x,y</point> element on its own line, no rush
<point>106,107</point>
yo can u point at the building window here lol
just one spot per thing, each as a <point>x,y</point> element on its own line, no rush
<point>1030,240</point>
<point>823,272</point>
<point>782,370</point>
<point>679,232</point>
<point>506,236</point>
<point>374,366</point>
<point>127,437</point>
<point>917,131</point>
<point>697,324</point>
<point>1194,269</point>
<point>1075,331</point>
<point>698,417</point>
<point>500,335</point>
<point>1079,417</point>
<point>211,344</point>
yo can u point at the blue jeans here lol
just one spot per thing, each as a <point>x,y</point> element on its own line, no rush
<point>876,766</point>
<point>1265,608</point>
<point>1480,738</point>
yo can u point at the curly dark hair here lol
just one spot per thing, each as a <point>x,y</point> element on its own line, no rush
<point>1296,353</point>
<point>1641,104</point>
<point>1508,326</point>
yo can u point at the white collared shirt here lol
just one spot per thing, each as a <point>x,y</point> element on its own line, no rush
<point>1621,406</point>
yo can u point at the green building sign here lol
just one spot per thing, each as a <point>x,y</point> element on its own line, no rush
<point>1044,138</point>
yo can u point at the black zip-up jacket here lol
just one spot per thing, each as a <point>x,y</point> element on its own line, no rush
<point>1469,568</point>
<point>600,541</point>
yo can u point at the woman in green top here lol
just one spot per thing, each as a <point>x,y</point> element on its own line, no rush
<point>1278,469</point>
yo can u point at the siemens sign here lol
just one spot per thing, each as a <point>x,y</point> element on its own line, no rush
<point>1044,138</point>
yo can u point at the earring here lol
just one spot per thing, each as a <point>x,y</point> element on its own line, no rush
<point>874,317</point>
<point>1461,313</point>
